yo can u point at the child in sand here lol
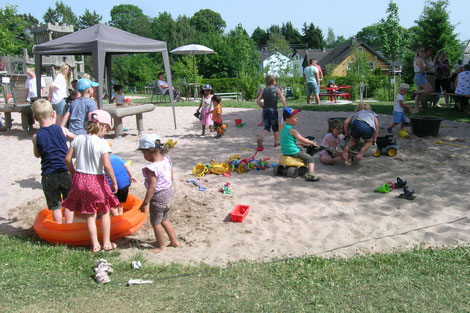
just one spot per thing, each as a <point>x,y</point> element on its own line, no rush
<point>81,107</point>
<point>270,115</point>
<point>399,108</point>
<point>261,104</point>
<point>50,144</point>
<point>118,94</point>
<point>206,105</point>
<point>331,139</point>
<point>158,180</point>
<point>289,136</point>
<point>90,193</point>
<point>217,115</point>
<point>362,124</point>
<point>124,178</point>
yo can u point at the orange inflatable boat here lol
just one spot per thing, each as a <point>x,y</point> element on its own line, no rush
<point>76,234</point>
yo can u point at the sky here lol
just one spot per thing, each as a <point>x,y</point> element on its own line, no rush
<point>345,17</point>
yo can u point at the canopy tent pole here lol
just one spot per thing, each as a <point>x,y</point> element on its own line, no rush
<point>166,64</point>
<point>38,64</point>
<point>108,63</point>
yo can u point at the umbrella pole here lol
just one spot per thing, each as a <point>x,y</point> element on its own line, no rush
<point>194,77</point>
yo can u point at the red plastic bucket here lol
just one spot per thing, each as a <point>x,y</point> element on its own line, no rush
<point>239,213</point>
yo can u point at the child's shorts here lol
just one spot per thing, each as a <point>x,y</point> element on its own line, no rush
<point>398,117</point>
<point>307,158</point>
<point>122,194</point>
<point>271,120</point>
<point>56,187</point>
<point>160,206</point>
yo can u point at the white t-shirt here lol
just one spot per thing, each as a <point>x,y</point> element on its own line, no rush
<point>119,98</point>
<point>162,89</point>
<point>60,90</point>
<point>398,107</point>
<point>88,150</point>
<point>31,86</point>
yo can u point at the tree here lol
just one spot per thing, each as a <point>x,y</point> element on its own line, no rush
<point>371,36</point>
<point>358,69</point>
<point>88,19</point>
<point>13,38</point>
<point>62,14</point>
<point>312,37</point>
<point>208,21</point>
<point>291,34</point>
<point>330,38</point>
<point>124,16</point>
<point>260,36</point>
<point>435,30</point>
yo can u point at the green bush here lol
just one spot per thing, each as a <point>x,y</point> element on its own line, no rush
<point>380,94</point>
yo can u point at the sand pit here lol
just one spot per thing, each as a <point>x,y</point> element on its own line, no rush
<point>338,216</point>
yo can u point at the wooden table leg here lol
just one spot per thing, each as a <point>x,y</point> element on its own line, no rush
<point>118,127</point>
<point>8,123</point>
<point>139,118</point>
<point>24,120</point>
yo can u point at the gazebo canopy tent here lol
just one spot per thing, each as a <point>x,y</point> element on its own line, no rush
<point>102,41</point>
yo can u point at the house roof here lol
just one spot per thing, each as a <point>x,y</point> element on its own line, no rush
<point>317,54</point>
<point>266,53</point>
<point>344,49</point>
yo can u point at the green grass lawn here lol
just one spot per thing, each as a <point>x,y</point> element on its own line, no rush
<point>38,277</point>
<point>378,107</point>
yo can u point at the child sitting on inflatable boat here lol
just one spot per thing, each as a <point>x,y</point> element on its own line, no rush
<point>288,139</point>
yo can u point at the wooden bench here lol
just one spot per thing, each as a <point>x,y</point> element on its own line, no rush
<point>230,95</point>
<point>27,120</point>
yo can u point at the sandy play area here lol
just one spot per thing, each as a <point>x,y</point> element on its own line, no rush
<point>340,215</point>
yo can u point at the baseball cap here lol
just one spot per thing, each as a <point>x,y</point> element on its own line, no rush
<point>85,83</point>
<point>100,116</point>
<point>288,112</point>
<point>404,86</point>
<point>148,141</point>
<point>207,87</point>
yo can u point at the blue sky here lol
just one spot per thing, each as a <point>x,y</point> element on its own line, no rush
<point>346,17</point>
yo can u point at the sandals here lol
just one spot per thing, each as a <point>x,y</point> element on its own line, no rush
<point>110,248</point>
<point>408,195</point>
<point>400,183</point>
<point>260,145</point>
<point>310,177</point>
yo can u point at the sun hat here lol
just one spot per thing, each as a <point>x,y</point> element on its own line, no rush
<point>85,83</point>
<point>404,86</point>
<point>207,87</point>
<point>100,116</point>
<point>149,141</point>
<point>288,112</point>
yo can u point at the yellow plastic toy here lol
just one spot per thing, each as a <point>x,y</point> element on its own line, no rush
<point>170,143</point>
<point>218,168</point>
<point>200,170</point>
<point>242,169</point>
<point>403,133</point>
<point>290,167</point>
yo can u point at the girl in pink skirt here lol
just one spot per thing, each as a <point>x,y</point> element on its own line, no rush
<point>206,105</point>
<point>90,193</point>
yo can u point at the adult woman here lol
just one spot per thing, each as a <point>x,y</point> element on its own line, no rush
<point>442,75</point>
<point>58,92</point>
<point>420,77</point>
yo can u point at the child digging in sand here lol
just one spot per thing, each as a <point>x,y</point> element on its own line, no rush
<point>289,136</point>
<point>331,139</point>
<point>158,179</point>
<point>50,144</point>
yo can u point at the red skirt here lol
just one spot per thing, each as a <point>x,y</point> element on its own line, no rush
<point>90,194</point>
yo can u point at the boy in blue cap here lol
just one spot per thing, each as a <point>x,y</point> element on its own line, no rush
<point>80,107</point>
<point>288,138</point>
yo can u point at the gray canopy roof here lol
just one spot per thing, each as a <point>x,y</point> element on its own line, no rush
<point>102,41</point>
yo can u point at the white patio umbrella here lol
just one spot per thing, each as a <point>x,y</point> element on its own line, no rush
<point>193,49</point>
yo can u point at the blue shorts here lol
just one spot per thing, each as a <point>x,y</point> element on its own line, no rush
<point>59,107</point>
<point>360,129</point>
<point>313,88</point>
<point>398,117</point>
<point>271,120</point>
<point>420,79</point>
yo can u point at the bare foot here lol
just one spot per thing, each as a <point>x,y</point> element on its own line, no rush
<point>345,154</point>
<point>158,250</point>
<point>174,244</point>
